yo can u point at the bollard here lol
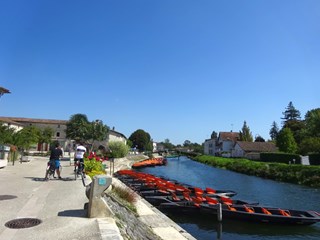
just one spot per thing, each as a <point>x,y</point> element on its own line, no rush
<point>97,206</point>
<point>219,212</point>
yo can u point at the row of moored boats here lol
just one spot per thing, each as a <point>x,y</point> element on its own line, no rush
<point>171,195</point>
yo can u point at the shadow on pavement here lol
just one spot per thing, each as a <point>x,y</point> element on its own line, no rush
<point>73,213</point>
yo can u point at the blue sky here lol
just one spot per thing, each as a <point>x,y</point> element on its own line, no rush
<point>178,69</point>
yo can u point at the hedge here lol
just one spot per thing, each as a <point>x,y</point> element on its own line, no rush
<point>280,158</point>
<point>314,159</point>
<point>293,173</point>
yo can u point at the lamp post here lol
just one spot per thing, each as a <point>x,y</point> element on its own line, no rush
<point>3,91</point>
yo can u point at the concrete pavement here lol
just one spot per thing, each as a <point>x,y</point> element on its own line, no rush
<point>59,204</point>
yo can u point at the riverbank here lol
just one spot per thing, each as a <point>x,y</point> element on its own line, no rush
<point>291,173</point>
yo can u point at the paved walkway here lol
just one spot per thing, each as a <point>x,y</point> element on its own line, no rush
<point>59,204</point>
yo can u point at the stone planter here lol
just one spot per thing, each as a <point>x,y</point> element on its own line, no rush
<point>3,163</point>
<point>25,159</point>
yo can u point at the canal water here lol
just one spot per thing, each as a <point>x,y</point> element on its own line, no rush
<point>254,189</point>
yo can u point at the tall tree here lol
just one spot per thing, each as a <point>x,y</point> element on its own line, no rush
<point>290,113</point>
<point>77,127</point>
<point>96,131</point>
<point>274,131</point>
<point>141,140</point>
<point>285,141</point>
<point>245,134</point>
<point>259,139</point>
<point>167,144</point>
<point>292,120</point>
<point>214,135</point>
<point>45,135</point>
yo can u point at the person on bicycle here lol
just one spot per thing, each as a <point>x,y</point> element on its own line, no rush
<point>80,151</point>
<point>55,155</point>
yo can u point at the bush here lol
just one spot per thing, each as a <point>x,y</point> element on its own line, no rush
<point>280,157</point>
<point>293,173</point>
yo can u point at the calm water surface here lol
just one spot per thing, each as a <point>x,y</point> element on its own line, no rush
<point>266,192</point>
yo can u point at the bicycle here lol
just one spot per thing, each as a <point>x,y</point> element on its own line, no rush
<point>50,170</point>
<point>79,170</point>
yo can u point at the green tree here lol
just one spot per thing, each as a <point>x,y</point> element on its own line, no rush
<point>285,141</point>
<point>167,144</point>
<point>96,131</point>
<point>6,134</point>
<point>214,135</point>
<point>259,139</point>
<point>77,127</point>
<point>186,143</point>
<point>45,135</point>
<point>245,134</point>
<point>274,131</point>
<point>291,113</point>
<point>141,140</point>
<point>312,122</point>
<point>118,149</point>
<point>310,145</point>
<point>26,137</point>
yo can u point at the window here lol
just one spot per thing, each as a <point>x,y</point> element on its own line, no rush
<point>58,134</point>
<point>58,125</point>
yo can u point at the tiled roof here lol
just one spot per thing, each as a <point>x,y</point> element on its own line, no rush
<point>33,120</point>
<point>233,136</point>
<point>257,146</point>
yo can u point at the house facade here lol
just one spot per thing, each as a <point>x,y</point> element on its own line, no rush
<point>252,150</point>
<point>221,146</point>
<point>59,127</point>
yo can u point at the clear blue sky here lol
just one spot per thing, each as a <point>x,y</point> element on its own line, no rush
<point>178,69</point>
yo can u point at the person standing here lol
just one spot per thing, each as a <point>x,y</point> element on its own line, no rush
<point>80,151</point>
<point>55,155</point>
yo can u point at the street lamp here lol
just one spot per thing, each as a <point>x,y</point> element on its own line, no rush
<point>3,91</point>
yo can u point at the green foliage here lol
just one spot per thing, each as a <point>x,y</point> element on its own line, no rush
<point>280,157</point>
<point>26,137</point>
<point>274,131</point>
<point>91,165</point>
<point>6,134</point>
<point>118,149</point>
<point>141,140</point>
<point>245,134</point>
<point>291,113</point>
<point>45,135</point>
<point>293,173</point>
<point>80,129</point>
<point>285,141</point>
<point>96,131</point>
<point>77,127</point>
<point>312,121</point>
<point>310,145</point>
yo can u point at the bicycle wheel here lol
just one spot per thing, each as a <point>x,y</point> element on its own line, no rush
<point>83,176</point>
<point>75,170</point>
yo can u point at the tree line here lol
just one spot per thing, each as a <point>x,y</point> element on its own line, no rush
<point>301,136</point>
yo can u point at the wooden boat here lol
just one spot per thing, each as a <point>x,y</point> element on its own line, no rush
<point>247,212</point>
<point>148,184</point>
<point>187,199</point>
<point>150,163</point>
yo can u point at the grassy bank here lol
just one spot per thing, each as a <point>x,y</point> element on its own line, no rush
<point>292,173</point>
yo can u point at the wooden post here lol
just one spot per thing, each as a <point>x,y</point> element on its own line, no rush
<point>219,212</point>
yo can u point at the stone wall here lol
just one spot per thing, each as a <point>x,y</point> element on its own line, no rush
<point>128,222</point>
